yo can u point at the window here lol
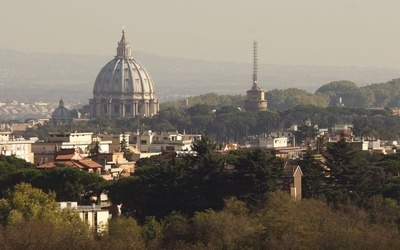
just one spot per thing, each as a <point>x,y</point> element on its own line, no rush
<point>116,109</point>
<point>128,109</point>
<point>95,221</point>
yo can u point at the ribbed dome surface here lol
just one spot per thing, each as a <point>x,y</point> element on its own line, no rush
<point>123,88</point>
<point>61,112</point>
<point>123,76</point>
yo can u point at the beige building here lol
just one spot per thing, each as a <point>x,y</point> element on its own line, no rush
<point>19,147</point>
<point>115,140</point>
<point>44,150</point>
<point>72,158</point>
<point>123,88</point>
<point>291,180</point>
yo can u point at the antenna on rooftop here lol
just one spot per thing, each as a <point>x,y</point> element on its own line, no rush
<point>255,62</point>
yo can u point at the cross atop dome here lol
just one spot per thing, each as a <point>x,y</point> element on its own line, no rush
<point>124,48</point>
<point>61,103</point>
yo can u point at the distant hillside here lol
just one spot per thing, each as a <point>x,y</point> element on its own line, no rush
<point>47,77</point>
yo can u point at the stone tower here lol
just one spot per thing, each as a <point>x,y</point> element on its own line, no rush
<point>255,100</point>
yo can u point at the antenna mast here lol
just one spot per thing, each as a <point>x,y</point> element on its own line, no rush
<point>255,62</point>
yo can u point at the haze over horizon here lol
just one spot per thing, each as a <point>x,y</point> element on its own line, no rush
<point>337,33</point>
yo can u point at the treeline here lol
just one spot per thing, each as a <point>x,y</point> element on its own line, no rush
<point>228,123</point>
<point>279,223</point>
<point>379,95</point>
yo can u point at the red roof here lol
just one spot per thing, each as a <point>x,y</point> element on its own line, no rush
<point>81,164</point>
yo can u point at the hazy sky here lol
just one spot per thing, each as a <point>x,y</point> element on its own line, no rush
<point>311,32</point>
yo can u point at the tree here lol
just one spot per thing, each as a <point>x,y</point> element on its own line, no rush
<point>14,170</point>
<point>314,177</point>
<point>254,173</point>
<point>96,149</point>
<point>25,203</point>
<point>123,233</point>
<point>71,184</point>
<point>347,172</point>
<point>177,117</point>
<point>230,228</point>
<point>124,147</point>
<point>156,189</point>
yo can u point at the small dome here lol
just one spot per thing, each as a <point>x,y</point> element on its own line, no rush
<point>61,115</point>
<point>61,112</point>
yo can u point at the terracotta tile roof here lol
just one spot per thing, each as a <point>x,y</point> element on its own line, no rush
<point>88,163</point>
<point>64,157</point>
<point>47,165</point>
<point>81,164</point>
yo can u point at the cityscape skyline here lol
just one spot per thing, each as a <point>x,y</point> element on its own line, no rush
<point>310,32</point>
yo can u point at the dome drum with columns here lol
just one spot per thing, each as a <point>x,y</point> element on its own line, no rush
<point>123,88</point>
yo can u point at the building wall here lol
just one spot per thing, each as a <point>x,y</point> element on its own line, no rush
<point>97,219</point>
<point>20,149</point>
<point>153,142</point>
<point>296,187</point>
<point>70,137</point>
<point>93,215</point>
<point>273,142</point>
<point>116,140</point>
<point>255,101</point>
<point>5,136</point>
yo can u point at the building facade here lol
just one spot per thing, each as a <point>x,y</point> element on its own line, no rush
<point>19,147</point>
<point>44,150</point>
<point>94,215</point>
<point>123,88</point>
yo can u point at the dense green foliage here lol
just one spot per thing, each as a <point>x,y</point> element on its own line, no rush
<point>196,183</point>
<point>214,201</point>
<point>279,223</point>
<point>378,95</point>
<point>68,184</point>
<point>230,124</point>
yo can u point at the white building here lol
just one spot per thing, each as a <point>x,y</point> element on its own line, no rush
<point>93,215</point>
<point>150,142</point>
<point>267,142</point>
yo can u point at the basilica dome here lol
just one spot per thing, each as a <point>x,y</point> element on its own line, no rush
<point>123,87</point>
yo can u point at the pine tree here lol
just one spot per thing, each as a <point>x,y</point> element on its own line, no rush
<point>347,172</point>
<point>314,176</point>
